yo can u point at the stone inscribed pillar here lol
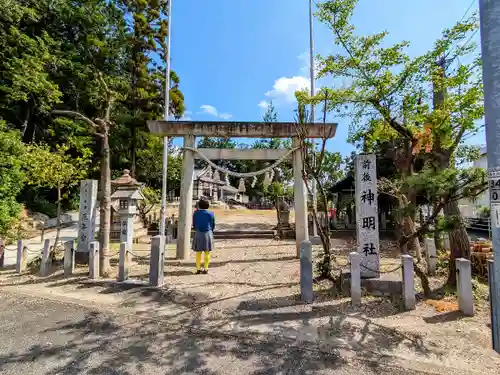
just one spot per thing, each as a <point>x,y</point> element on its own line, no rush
<point>88,211</point>
<point>367,228</point>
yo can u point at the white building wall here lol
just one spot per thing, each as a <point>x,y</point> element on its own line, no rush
<point>470,208</point>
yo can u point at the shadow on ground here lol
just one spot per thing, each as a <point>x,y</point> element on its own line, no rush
<point>197,345</point>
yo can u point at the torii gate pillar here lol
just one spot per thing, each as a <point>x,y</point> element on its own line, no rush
<point>186,201</point>
<point>300,198</point>
<point>191,129</point>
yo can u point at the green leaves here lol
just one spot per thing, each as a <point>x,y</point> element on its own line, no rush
<point>56,168</point>
<point>12,176</point>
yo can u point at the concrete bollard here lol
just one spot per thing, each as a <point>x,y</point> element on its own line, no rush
<point>355,261</point>
<point>408,282</point>
<point>94,260</point>
<point>69,258</point>
<point>306,272</point>
<point>45,263</point>
<point>123,265</point>
<point>464,286</point>
<point>430,256</point>
<point>495,313</point>
<point>2,253</point>
<point>156,261</point>
<point>21,257</point>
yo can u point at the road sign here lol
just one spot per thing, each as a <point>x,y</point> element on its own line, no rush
<point>495,190</point>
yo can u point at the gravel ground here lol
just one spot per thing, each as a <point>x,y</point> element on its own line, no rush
<point>252,289</point>
<point>51,337</point>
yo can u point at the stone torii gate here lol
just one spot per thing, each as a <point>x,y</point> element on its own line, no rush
<point>189,130</point>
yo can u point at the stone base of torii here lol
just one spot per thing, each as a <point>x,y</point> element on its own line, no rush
<point>189,130</point>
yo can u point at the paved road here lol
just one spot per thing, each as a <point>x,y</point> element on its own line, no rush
<point>45,337</point>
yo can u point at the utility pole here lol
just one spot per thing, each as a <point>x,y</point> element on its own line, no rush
<point>489,11</point>
<point>163,210</point>
<point>313,114</point>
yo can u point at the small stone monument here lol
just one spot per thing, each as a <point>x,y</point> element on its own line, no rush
<point>127,193</point>
<point>88,213</point>
<point>367,228</point>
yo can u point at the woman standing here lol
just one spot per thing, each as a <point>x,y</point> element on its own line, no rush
<point>204,225</point>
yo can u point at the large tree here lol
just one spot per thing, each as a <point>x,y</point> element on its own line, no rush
<point>12,176</point>
<point>389,99</point>
<point>147,41</point>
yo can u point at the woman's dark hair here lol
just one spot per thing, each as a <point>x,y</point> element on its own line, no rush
<point>203,204</point>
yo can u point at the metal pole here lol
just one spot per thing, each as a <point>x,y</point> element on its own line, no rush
<point>313,114</point>
<point>163,210</point>
<point>489,12</point>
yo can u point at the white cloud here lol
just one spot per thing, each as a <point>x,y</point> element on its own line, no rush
<point>306,64</point>
<point>284,88</point>
<point>263,104</point>
<point>211,110</point>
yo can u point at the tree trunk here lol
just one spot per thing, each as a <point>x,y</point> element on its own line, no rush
<point>58,220</point>
<point>133,151</point>
<point>105,203</point>
<point>459,241</point>
<point>27,115</point>
<point>414,244</point>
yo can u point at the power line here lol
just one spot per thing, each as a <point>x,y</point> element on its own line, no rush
<point>467,11</point>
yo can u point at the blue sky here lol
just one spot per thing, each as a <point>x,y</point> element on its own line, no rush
<point>232,56</point>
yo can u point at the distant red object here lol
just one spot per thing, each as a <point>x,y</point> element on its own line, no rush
<point>331,212</point>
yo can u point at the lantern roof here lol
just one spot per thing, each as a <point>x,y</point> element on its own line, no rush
<point>125,180</point>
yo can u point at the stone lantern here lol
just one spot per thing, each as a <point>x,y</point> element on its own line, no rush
<point>126,196</point>
<point>283,213</point>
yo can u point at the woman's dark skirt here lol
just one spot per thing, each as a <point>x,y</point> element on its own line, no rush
<point>203,241</point>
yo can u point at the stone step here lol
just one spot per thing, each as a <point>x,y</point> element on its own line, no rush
<point>242,237</point>
<point>235,234</point>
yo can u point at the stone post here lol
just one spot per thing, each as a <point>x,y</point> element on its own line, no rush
<point>2,253</point>
<point>186,201</point>
<point>355,262</point>
<point>123,264</point>
<point>493,292</point>
<point>127,229</point>
<point>367,228</point>
<point>306,272</point>
<point>88,213</point>
<point>46,261</point>
<point>430,255</point>
<point>300,198</point>
<point>464,286</point>
<point>408,282</point>
<point>22,254</point>
<point>69,258</point>
<point>157,261</point>
<point>94,260</point>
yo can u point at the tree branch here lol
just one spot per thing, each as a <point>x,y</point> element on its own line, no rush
<point>78,116</point>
